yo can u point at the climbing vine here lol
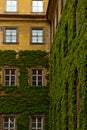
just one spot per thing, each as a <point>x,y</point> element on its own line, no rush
<point>68,79</point>
<point>24,100</point>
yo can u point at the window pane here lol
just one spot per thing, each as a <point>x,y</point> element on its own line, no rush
<point>10,77</point>
<point>34,3</point>
<point>39,119</point>
<point>12,80</point>
<point>8,123</point>
<point>6,71</point>
<point>33,119</point>
<point>39,83</point>
<point>34,40</point>
<point>40,39</point>
<point>34,9</point>
<point>7,37</point>
<point>34,71</point>
<point>40,3</point>
<point>37,5</point>
<point>13,41</point>
<point>10,35</point>
<point>39,124</point>
<point>13,31</point>
<point>11,122</point>
<point>34,32</point>
<point>8,31</point>
<point>14,3</point>
<point>11,5</point>
<point>39,78</point>
<point>40,9</point>
<point>6,83</point>
<point>40,32</point>
<point>37,36</point>
<point>34,125</point>
<point>13,71</point>
<point>34,78</point>
<point>7,41</point>
<point>5,119</point>
<point>12,83</point>
<point>40,71</point>
<point>34,83</point>
<point>6,78</point>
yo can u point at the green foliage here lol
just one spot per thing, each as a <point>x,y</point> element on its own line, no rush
<point>7,58</point>
<point>68,70</point>
<point>33,58</point>
<point>24,100</point>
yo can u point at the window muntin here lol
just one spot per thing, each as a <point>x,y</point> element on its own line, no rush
<point>36,122</point>
<point>10,77</point>
<point>11,5</point>
<point>10,35</point>
<point>8,123</point>
<point>37,77</point>
<point>37,36</point>
<point>37,5</point>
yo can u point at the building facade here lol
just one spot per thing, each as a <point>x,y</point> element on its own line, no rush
<point>24,63</point>
<point>28,31</point>
<point>68,70</point>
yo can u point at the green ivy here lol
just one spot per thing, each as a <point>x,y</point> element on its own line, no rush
<point>68,70</point>
<point>24,100</point>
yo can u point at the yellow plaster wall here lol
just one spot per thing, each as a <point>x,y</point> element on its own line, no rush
<point>23,6</point>
<point>24,35</point>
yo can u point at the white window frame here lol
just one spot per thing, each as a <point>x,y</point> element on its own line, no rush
<point>36,122</point>
<point>37,36</point>
<point>9,122</point>
<point>36,6</point>
<point>10,6</point>
<point>10,77</point>
<point>11,35</point>
<point>37,75</point>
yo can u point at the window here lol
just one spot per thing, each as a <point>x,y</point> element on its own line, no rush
<point>36,122</point>
<point>37,35</point>
<point>11,5</point>
<point>10,77</point>
<point>10,35</point>
<point>9,123</point>
<point>37,77</point>
<point>55,21</point>
<point>37,5</point>
<point>62,4</point>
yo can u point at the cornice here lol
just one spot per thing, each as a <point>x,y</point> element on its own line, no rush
<point>41,16</point>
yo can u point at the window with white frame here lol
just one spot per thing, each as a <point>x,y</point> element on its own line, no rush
<point>37,35</point>
<point>11,5</point>
<point>37,77</point>
<point>9,123</point>
<point>10,76</point>
<point>36,122</point>
<point>37,5</point>
<point>10,35</point>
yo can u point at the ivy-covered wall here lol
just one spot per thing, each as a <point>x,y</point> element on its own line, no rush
<point>24,100</point>
<point>68,87</point>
